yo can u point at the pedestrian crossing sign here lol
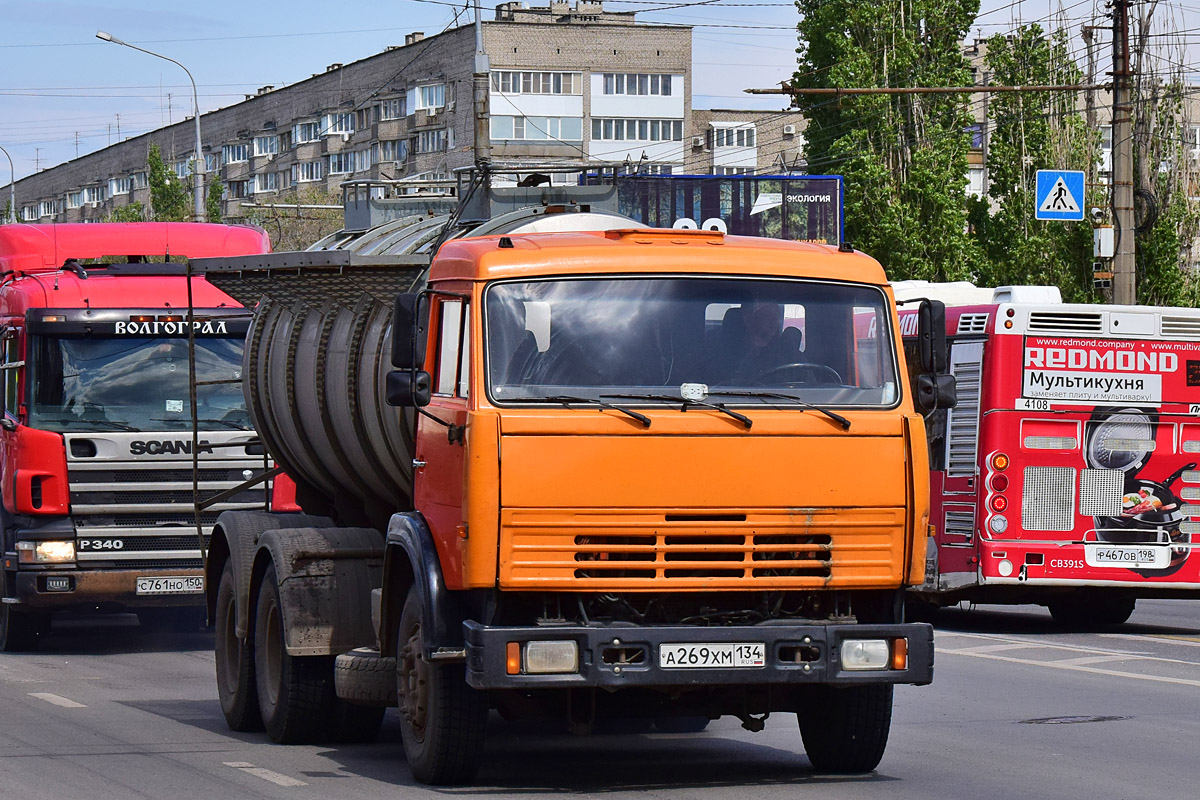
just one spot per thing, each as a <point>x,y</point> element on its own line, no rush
<point>1059,195</point>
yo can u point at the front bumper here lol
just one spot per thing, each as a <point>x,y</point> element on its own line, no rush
<point>106,587</point>
<point>820,646</point>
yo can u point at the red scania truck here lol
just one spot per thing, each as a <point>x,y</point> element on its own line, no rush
<point>1068,475</point>
<point>96,436</point>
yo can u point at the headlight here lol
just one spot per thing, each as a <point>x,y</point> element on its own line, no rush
<point>866,654</point>
<point>45,552</point>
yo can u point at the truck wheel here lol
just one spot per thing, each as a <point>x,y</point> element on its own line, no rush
<point>20,630</point>
<point>235,661</point>
<point>442,719</point>
<point>1091,611</point>
<point>295,693</point>
<point>845,730</point>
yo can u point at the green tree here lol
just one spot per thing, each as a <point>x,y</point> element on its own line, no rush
<point>213,197</point>
<point>903,157</point>
<point>131,212</point>
<point>1030,131</point>
<point>168,195</point>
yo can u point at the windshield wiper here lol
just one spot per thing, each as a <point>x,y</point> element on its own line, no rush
<point>833,415</point>
<point>567,400</point>
<point>674,398</point>
<point>227,423</point>
<point>111,423</point>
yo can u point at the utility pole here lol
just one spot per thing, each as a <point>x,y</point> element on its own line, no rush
<point>479,82</point>
<point>1124,278</point>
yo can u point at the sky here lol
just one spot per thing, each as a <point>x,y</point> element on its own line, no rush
<point>65,93</point>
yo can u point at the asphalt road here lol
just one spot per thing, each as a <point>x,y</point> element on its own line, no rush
<point>1018,708</point>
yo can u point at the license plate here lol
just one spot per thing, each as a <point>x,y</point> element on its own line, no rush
<point>170,585</point>
<point>1128,556</point>
<point>742,655</point>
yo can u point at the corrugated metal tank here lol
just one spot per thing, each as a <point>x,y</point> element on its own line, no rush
<point>318,353</point>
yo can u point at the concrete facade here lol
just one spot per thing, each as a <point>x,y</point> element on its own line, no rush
<point>570,82</point>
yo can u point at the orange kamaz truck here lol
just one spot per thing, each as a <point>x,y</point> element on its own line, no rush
<point>654,476</point>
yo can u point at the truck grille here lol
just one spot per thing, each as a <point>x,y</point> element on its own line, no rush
<point>565,549</point>
<point>138,513</point>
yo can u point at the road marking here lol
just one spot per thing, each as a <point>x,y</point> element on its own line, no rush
<point>1105,653</point>
<point>57,700</point>
<point>1076,667</point>
<point>995,648</point>
<point>1187,641</point>
<point>1095,659</point>
<point>265,774</point>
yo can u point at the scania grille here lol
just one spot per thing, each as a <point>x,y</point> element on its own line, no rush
<point>700,550</point>
<point>142,518</point>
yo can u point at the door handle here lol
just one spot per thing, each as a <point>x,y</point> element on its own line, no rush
<point>417,463</point>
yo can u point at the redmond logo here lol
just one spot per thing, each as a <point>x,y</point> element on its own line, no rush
<point>166,447</point>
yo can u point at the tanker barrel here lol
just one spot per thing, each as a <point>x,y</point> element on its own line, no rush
<point>315,365</point>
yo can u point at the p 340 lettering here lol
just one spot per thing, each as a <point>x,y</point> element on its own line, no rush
<point>101,544</point>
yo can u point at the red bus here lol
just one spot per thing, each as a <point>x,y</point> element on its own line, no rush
<point>1068,475</point>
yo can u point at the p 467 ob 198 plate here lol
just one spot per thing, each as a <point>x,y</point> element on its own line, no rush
<point>738,655</point>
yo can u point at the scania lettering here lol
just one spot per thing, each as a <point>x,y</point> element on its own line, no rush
<point>585,506</point>
<point>1068,472</point>
<point>96,432</point>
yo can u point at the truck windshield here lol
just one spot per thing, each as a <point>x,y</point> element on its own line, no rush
<point>753,341</point>
<point>133,384</point>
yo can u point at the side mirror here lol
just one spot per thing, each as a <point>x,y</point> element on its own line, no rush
<point>409,388</point>
<point>409,331</point>
<point>931,336</point>
<point>936,391</point>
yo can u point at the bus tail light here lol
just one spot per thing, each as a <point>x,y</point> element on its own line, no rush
<point>999,503</point>
<point>999,462</point>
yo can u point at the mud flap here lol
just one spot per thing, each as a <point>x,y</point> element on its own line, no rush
<point>325,580</point>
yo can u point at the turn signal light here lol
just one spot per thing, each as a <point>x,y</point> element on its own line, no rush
<point>900,654</point>
<point>513,661</point>
<point>1000,462</point>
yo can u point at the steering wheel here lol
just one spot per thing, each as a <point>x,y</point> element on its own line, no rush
<point>806,367</point>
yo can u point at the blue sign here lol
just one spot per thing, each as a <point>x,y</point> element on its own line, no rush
<point>1059,195</point>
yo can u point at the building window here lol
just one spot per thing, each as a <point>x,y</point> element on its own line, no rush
<point>975,185</point>
<point>266,182</point>
<point>638,83</point>
<point>653,130</point>
<point>307,171</point>
<point>139,180</point>
<point>976,133</point>
<point>733,171</point>
<point>338,123</point>
<point>212,162</point>
<point>349,161</point>
<point>93,195</point>
<point>235,153</point>
<point>182,169</point>
<point>563,129</point>
<point>513,82</point>
<point>29,213</point>
<point>394,150</point>
<point>392,109</point>
<point>237,190</point>
<point>266,145</point>
<point>47,208</point>
<point>431,141</point>
<point>118,186</point>
<point>431,97</point>
<point>734,137</point>
<point>656,169</point>
<point>306,132</point>
<point>364,118</point>
<point>75,199</point>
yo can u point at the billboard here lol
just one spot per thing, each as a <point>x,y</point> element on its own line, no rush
<point>807,208</point>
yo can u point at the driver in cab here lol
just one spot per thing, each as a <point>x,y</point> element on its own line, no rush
<point>767,344</point>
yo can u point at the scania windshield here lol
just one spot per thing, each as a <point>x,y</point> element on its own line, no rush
<point>754,341</point>
<point>134,383</point>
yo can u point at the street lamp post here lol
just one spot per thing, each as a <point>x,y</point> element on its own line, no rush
<point>12,188</point>
<point>198,194</point>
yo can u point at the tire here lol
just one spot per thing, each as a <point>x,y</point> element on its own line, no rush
<point>1086,611</point>
<point>235,661</point>
<point>680,724</point>
<point>442,719</point>
<point>362,676</point>
<point>845,731</point>
<point>20,630</point>
<point>295,693</point>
